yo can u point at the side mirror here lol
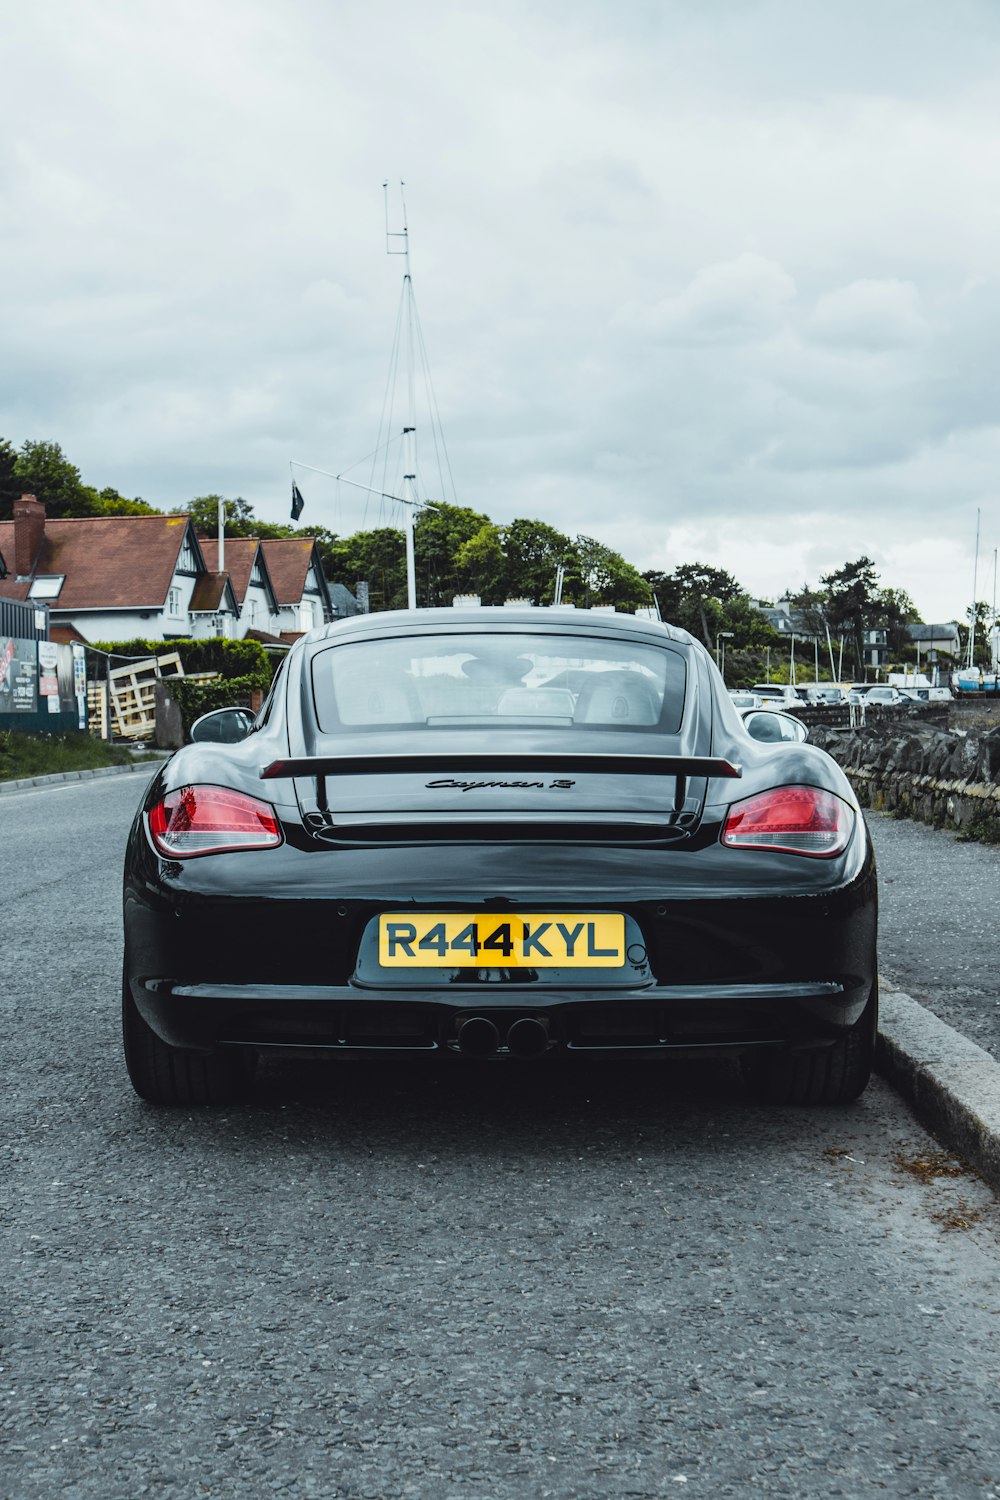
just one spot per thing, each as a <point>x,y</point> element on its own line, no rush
<point>223,726</point>
<point>773,728</point>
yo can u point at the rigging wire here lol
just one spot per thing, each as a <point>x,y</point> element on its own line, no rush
<point>389,394</point>
<point>437,427</point>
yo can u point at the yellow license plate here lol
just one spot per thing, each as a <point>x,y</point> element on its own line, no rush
<point>501,940</point>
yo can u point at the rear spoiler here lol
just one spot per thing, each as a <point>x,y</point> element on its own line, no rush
<point>508,761</point>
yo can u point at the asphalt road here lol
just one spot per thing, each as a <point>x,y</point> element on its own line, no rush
<point>482,1283</point>
<point>939,923</point>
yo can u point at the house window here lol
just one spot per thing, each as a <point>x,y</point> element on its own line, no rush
<point>173,602</point>
<point>46,586</point>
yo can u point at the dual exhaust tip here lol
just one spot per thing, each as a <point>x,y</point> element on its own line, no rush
<point>478,1036</point>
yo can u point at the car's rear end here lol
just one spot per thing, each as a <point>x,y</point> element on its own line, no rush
<point>500,837</point>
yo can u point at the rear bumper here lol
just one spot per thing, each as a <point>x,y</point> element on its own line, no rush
<point>657,1019</point>
<point>278,951</point>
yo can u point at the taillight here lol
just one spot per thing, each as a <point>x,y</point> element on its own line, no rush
<point>794,819</point>
<point>208,819</point>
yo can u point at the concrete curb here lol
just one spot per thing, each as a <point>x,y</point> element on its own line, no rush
<point>952,1084</point>
<point>31,783</point>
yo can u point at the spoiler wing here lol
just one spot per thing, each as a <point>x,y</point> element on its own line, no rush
<point>502,761</point>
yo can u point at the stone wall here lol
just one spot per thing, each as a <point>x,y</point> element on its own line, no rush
<point>946,776</point>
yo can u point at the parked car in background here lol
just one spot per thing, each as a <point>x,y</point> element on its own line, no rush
<point>885,697</point>
<point>824,694</point>
<point>744,700</point>
<point>929,694</point>
<point>783,693</point>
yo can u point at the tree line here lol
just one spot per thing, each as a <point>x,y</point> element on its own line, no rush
<point>459,550</point>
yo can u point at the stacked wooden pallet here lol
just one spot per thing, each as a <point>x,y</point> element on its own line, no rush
<point>132,693</point>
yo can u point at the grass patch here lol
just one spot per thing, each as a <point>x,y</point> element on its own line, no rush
<point>47,754</point>
<point>981,828</point>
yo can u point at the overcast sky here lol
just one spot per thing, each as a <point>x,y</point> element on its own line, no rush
<point>711,279</point>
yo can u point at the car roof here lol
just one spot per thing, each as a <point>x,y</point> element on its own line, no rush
<point>525,618</point>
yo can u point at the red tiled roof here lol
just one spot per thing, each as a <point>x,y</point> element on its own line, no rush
<point>264,636</point>
<point>288,560</point>
<point>110,562</point>
<point>208,592</point>
<point>8,588</point>
<point>239,557</point>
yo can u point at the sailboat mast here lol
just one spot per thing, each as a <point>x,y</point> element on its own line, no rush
<point>975,586</point>
<point>410,429</point>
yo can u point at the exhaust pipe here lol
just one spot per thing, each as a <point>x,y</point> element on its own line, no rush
<point>478,1037</point>
<point>528,1037</point>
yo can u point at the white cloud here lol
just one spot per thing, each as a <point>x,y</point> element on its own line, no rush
<point>725,302</point>
<point>869,314</point>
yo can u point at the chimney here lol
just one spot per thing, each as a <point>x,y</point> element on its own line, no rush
<point>29,529</point>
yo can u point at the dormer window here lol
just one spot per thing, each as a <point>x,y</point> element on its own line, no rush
<point>46,586</point>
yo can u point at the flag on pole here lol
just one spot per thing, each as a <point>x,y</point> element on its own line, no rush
<point>298,503</point>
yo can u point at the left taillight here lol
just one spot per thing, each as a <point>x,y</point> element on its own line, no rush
<point>793,820</point>
<point>210,819</point>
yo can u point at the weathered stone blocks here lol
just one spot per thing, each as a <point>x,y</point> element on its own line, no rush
<point>950,778</point>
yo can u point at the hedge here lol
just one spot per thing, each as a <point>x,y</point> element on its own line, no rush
<point>228,658</point>
<point>197,698</point>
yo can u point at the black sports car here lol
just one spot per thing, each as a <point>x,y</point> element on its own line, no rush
<point>499,834</point>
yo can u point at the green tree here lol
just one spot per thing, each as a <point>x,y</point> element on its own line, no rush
<point>440,532</point>
<point>239,519</point>
<point>852,594</point>
<point>599,575</point>
<point>532,551</point>
<point>108,502</point>
<point>43,470</point>
<point>10,484</point>
<point>696,596</point>
<point>480,564</point>
<point>894,610</point>
<point>377,558</point>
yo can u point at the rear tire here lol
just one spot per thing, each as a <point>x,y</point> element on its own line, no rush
<point>830,1075</point>
<point>174,1075</point>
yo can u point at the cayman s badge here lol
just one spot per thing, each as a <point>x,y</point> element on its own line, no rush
<point>448,783</point>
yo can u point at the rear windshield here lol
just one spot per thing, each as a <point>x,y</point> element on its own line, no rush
<point>504,681</point>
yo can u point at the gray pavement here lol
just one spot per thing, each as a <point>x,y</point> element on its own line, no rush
<point>631,1283</point>
<point>939,923</point>
<point>456,1284</point>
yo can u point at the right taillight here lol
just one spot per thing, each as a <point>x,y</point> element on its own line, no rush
<point>792,819</point>
<point>209,820</point>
